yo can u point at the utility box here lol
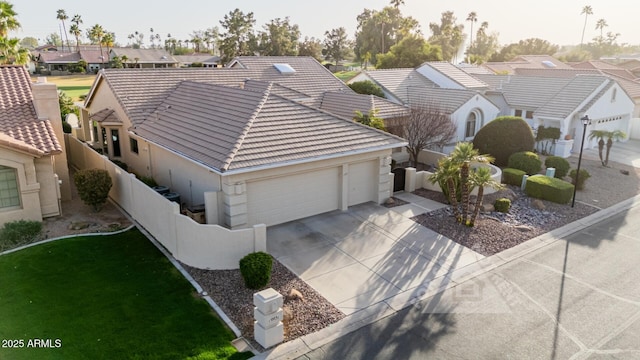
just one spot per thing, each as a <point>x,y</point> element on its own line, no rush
<point>197,213</point>
<point>551,172</point>
<point>268,328</point>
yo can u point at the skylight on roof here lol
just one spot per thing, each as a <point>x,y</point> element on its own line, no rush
<point>548,63</point>
<point>284,68</point>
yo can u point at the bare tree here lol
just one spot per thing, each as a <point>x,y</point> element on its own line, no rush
<point>424,127</point>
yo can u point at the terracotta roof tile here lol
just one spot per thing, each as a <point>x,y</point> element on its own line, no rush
<point>18,118</point>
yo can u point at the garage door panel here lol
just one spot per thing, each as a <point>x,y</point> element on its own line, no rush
<point>282,199</point>
<point>362,182</point>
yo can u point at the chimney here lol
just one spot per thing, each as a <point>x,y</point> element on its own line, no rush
<point>45,101</point>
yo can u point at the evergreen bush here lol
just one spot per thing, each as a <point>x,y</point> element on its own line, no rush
<point>255,269</point>
<point>93,186</point>
<point>527,161</point>
<point>15,233</point>
<point>502,205</point>
<point>561,165</point>
<point>584,175</point>
<point>512,176</point>
<point>504,136</point>
<point>548,188</point>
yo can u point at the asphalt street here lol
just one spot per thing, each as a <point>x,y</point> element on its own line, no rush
<point>576,298</point>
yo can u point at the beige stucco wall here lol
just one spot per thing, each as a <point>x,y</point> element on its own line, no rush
<point>49,188</point>
<point>28,184</point>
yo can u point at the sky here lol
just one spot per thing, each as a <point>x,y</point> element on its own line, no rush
<point>557,21</point>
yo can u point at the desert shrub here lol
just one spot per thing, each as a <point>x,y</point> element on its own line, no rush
<point>584,175</point>
<point>93,186</point>
<point>504,136</point>
<point>366,87</point>
<point>548,188</point>
<point>502,205</point>
<point>512,176</point>
<point>526,161</point>
<point>19,232</point>
<point>121,164</point>
<point>255,269</point>
<point>560,164</point>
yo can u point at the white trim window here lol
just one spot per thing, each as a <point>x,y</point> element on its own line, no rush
<point>9,192</point>
<point>470,125</point>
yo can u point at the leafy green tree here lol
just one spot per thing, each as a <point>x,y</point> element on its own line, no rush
<point>62,16</point>
<point>239,37</point>
<point>532,46</point>
<point>66,105</point>
<point>370,119</point>
<point>484,47</point>
<point>448,35</point>
<point>8,20</point>
<point>93,187</point>
<point>366,87</point>
<point>409,53</point>
<point>586,10</point>
<point>53,39</point>
<point>29,42</point>
<point>279,38</point>
<point>336,45</point>
<point>396,3</point>
<point>310,47</point>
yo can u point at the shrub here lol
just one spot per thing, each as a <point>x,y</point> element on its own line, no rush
<point>502,205</point>
<point>526,161</point>
<point>256,269</point>
<point>93,186</point>
<point>512,176</point>
<point>121,164</point>
<point>548,188</point>
<point>560,164</point>
<point>366,87</point>
<point>66,127</point>
<point>584,175</point>
<point>147,180</point>
<point>504,136</point>
<point>19,232</point>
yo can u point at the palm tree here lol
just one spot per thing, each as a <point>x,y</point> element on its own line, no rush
<point>107,39</point>
<point>481,178</point>
<point>448,177</point>
<point>11,52</point>
<point>75,29</point>
<point>62,16</point>
<point>463,154</point>
<point>95,34</point>
<point>611,136</point>
<point>124,59</point>
<point>601,24</point>
<point>472,17</point>
<point>587,10</point>
<point>600,135</point>
<point>8,19</point>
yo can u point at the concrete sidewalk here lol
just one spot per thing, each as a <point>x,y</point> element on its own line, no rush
<point>397,292</point>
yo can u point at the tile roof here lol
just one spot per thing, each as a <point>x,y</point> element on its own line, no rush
<point>398,81</point>
<point>155,56</point>
<point>18,118</point>
<point>446,100</point>
<point>140,91</point>
<point>345,104</point>
<point>229,128</point>
<point>526,92</point>
<point>202,58</point>
<point>55,57</point>
<point>456,74</point>
<point>569,99</point>
<point>93,56</point>
<point>527,62</point>
<point>106,115</point>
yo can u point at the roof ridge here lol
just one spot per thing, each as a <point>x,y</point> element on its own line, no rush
<point>265,96</point>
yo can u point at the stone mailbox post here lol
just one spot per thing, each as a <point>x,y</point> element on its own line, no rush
<point>268,328</point>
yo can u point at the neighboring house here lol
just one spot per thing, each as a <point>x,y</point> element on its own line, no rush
<point>525,62</point>
<point>561,102</point>
<point>61,62</point>
<point>144,58</point>
<point>33,168</point>
<point>441,86</point>
<point>95,59</point>
<point>253,151</point>
<point>632,65</point>
<point>207,60</point>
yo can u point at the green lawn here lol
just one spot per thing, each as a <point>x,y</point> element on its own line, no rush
<point>106,297</point>
<point>72,85</point>
<point>346,75</point>
<point>74,92</point>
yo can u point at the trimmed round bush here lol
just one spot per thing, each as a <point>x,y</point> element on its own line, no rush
<point>584,175</point>
<point>502,205</point>
<point>527,161</point>
<point>255,269</point>
<point>366,87</point>
<point>561,165</point>
<point>504,136</point>
<point>512,176</point>
<point>93,186</point>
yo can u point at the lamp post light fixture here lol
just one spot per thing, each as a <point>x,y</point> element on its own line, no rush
<point>585,122</point>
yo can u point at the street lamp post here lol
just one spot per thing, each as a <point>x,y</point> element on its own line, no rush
<point>585,122</point>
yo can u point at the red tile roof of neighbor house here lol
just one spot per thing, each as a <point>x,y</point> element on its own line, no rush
<point>18,118</point>
<point>229,128</point>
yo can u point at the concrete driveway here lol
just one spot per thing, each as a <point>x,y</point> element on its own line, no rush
<point>369,254</point>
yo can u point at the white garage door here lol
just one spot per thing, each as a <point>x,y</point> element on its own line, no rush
<point>363,178</point>
<point>278,200</point>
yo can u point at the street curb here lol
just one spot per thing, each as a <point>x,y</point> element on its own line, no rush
<point>378,311</point>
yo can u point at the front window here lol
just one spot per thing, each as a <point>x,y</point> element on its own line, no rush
<point>9,193</point>
<point>133,144</point>
<point>518,113</point>
<point>529,114</point>
<point>471,126</point>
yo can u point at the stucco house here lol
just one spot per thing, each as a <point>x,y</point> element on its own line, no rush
<point>251,151</point>
<point>33,169</point>
<point>440,85</point>
<point>144,58</point>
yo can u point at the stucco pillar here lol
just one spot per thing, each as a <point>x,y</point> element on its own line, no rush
<point>45,100</point>
<point>385,179</point>
<point>260,238</point>
<point>211,207</point>
<point>410,180</point>
<point>235,204</point>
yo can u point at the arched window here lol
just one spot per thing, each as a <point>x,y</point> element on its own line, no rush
<point>470,129</point>
<point>9,192</point>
